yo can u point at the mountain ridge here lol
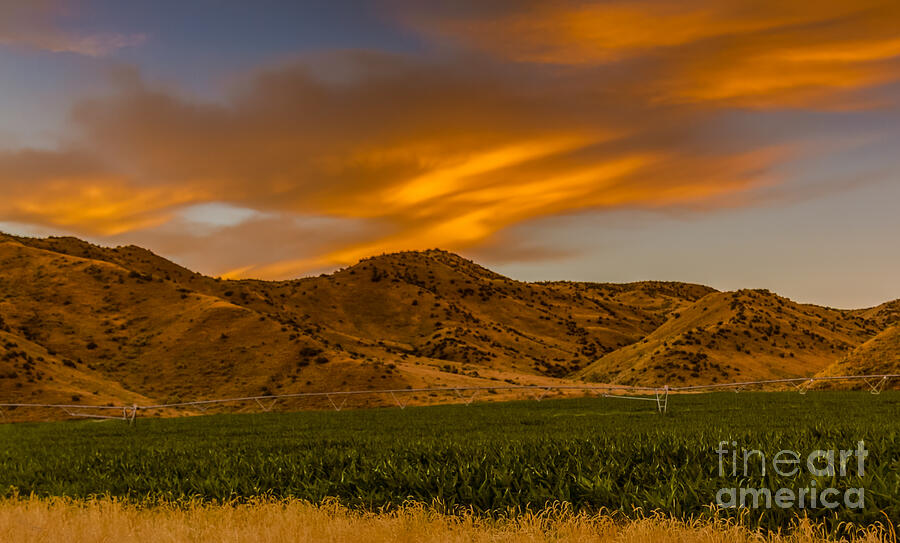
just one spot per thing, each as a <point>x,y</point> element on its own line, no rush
<point>104,324</point>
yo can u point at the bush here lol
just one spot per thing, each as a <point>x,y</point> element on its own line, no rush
<point>309,352</point>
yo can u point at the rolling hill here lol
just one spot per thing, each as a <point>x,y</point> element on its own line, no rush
<point>98,324</point>
<point>879,355</point>
<point>737,336</point>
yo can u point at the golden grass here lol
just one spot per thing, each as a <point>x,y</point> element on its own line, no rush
<point>31,520</point>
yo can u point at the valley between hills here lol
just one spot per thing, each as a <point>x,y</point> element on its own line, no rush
<point>95,325</point>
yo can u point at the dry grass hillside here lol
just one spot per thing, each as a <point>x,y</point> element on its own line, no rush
<point>434,305</point>
<point>879,355</point>
<point>30,373</point>
<point>882,316</point>
<point>738,336</point>
<point>123,324</point>
<point>162,333</point>
<point>150,335</point>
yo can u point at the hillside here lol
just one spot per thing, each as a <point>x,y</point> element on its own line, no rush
<point>30,373</point>
<point>433,305</point>
<point>882,316</point>
<point>125,325</point>
<point>737,336</point>
<point>164,333</point>
<point>879,355</point>
<point>152,336</point>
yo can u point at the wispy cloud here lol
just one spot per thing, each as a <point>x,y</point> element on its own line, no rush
<point>537,110</point>
<point>744,53</point>
<point>35,24</point>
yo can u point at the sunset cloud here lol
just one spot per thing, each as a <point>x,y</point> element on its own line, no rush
<point>34,24</point>
<point>745,53</point>
<point>469,156</point>
<point>526,111</point>
<point>75,190</point>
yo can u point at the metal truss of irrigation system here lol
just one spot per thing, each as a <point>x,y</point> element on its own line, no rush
<point>659,395</point>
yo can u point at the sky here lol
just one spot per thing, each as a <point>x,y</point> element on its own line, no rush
<point>738,144</point>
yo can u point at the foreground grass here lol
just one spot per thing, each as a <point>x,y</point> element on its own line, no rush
<point>36,520</point>
<point>595,454</point>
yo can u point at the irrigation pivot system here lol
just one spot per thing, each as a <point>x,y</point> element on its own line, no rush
<point>401,397</point>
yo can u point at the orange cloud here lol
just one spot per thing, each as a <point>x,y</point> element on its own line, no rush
<point>72,190</point>
<point>468,156</point>
<point>592,32</point>
<point>748,53</point>
<point>578,108</point>
<point>102,206</point>
<point>33,24</point>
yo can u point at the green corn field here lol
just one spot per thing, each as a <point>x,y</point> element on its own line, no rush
<point>493,458</point>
